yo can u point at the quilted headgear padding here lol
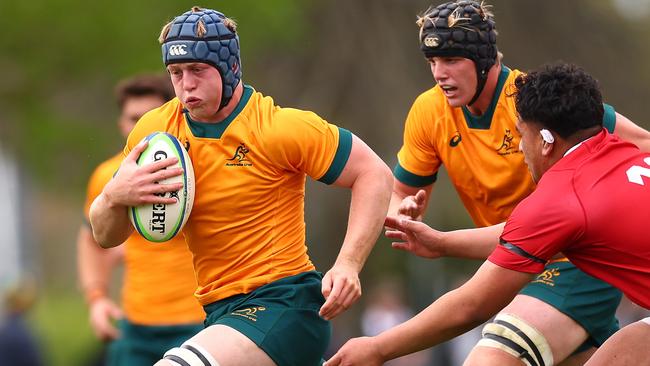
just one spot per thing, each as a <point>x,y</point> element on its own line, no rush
<point>461,28</point>
<point>219,46</point>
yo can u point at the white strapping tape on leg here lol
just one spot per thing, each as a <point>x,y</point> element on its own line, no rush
<point>190,354</point>
<point>508,328</point>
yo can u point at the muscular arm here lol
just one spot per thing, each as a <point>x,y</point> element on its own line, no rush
<point>95,266</point>
<point>370,181</point>
<point>631,132</point>
<point>487,292</point>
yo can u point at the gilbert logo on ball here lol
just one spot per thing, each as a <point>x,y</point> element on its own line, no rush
<point>161,222</point>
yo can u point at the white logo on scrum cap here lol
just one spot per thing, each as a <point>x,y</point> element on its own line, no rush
<point>177,50</point>
<point>432,41</point>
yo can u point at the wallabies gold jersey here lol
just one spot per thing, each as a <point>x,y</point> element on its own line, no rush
<point>159,280</point>
<point>247,225</point>
<point>481,153</point>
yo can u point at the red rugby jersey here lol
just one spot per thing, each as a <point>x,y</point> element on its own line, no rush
<point>594,206</point>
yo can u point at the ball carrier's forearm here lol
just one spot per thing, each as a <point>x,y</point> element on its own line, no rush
<point>369,203</point>
<point>370,182</point>
<point>110,222</point>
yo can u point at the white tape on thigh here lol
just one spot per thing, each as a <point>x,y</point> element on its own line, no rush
<point>190,354</point>
<point>646,320</point>
<point>530,344</point>
<point>201,353</point>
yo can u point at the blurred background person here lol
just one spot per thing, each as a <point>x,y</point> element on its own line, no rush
<point>385,308</point>
<point>18,345</point>
<point>158,309</point>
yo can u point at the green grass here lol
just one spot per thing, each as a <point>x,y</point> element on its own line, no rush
<point>60,321</point>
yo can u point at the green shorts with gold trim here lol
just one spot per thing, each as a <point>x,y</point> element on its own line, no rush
<point>589,301</point>
<point>281,318</point>
<point>145,345</point>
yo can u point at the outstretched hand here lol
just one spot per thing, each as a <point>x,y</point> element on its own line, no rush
<point>412,207</point>
<point>415,237</point>
<point>357,351</point>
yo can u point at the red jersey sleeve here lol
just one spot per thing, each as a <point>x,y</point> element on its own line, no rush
<point>542,225</point>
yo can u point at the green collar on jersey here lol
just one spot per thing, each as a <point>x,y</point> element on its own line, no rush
<point>483,122</point>
<point>215,130</point>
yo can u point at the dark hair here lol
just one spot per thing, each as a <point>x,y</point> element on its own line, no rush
<point>560,96</point>
<point>144,85</point>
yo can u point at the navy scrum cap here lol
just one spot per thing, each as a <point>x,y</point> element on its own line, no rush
<point>204,35</point>
<point>461,28</point>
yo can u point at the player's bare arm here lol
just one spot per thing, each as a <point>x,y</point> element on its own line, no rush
<point>487,292</point>
<point>370,181</point>
<point>131,186</point>
<point>409,201</point>
<point>95,265</point>
<point>425,241</point>
<point>629,131</point>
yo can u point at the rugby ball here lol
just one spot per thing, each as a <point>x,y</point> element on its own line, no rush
<point>161,222</point>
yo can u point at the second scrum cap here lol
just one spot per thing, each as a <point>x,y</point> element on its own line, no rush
<point>462,28</point>
<point>207,36</point>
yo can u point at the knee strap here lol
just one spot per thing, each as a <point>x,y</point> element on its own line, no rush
<point>190,354</point>
<point>514,336</point>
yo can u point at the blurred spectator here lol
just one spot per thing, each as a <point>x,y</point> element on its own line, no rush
<point>387,308</point>
<point>18,346</point>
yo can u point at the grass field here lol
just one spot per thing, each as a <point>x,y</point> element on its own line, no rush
<point>60,321</point>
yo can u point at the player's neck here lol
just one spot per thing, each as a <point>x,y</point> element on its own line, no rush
<point>485,98</point>
<point>227,110</point>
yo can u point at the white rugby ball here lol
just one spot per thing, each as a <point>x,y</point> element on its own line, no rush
<point>161,222</point>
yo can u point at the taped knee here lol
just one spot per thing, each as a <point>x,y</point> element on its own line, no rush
<point>190,354</point>
<point>514,336</point>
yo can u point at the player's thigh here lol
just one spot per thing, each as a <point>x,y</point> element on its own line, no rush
<point>629,346</point>
<point>588,301</point>
<point>143,345</point>
<point>527,332</point>
<point>563,334</point>
<point>579,358</point>
<point>217,345</point>
<point>487,356</point>
<point>230,347</point>
<point>281,318</point>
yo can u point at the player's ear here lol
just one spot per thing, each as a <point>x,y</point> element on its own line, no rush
<point>548,142</point>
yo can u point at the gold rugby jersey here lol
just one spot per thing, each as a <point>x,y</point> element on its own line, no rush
<point>481,153</point>
<point>247,225</point>
<point>158,279</point>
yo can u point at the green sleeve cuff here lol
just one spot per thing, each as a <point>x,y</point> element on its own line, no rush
<point>609,118</point>
<point>411,179</point>
<point>340,158</point>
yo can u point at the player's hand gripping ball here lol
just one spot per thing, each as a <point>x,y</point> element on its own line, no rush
<point>161,222</point>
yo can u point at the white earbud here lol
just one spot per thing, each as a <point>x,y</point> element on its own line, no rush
<point>547,136</point>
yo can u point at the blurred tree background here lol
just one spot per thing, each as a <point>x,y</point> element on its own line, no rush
<point>356,63</point>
